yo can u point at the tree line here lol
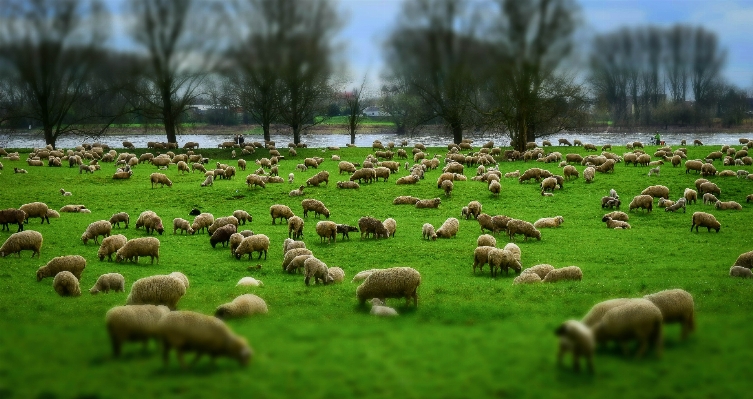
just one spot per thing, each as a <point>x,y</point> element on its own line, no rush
<point>465,65</point>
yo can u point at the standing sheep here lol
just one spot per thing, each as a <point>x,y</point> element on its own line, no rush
<point>638,319</point>
<point>70,263</point>
<point>643,201</point>
<point>144,246</point>
<point>66,284</point>
<point>502,259</point>
<point>161,179</point>
<point>739,271</point>
<point>17,242</point>
<point>241,306</point>
<point>12,215</point>
<point>326,230</point>
<point>107,282</point>
<point>395,282</point>
<point>35,210</point>
<point>588,174</point>
<point>428,233</point>
<point>369,225</point>
<point>710,199</point>
<point>474,209</point>
<point>222,235</point>
<point>577,338</point>
<point>110,245</point>
<point>344,229</point>
<point>157,290</point>
<point>150,221</point>
<point>656,191</point>
<point>317,206</point>
<point>390,225</point>
<point>255,243</point>
<point>133,323</point>
<point>495,188</point>
<point>486,240</point>
<point>120,217</point>
<point>517,226</point>
<point>745,260</point>
<point>202,221</point>
<point>295,228</point>
<point>242,216</point>
<point>481,257</point>
<point>317,269</point>
<point>449,228</point>
<point>707,220</point>
<point>223,221</point>
<point>691,196</point>
<point>96,229</point>
<point>280,211</point>
<point>183,225</point>
<point>676,307</point>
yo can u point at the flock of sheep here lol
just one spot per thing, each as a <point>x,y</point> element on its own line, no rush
<point>150,310</point>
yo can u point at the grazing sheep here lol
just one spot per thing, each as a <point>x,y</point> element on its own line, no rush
<point>295,227</point>
<point>242,306</point>
<point>222,235</point>
<point>428,203</point>
<point>208,181</point>
<point>150,221</point>
<point>107,282</point>
<point>676,306</point>
<point>449,228</point>
<point>395,282</point>
<point>672,207</point>
<point>120,217</point>
<point>111,245</point>
<point>485,240</point>
<point>317,269</point>
<point>481,257</point>
<point>344,229</point>
<point>495,188</point>
<point>709,199</point>
<point>643,201</point>
<point>748,198</point>
<point>526,278</point>
<point>540,270</point>
<point>709,187</point>
<point>369,225</point>
<point>255,243</point>
<point>390,225</point>
<point>610,202</point>
<point>66,284</point>
<point>160,178</point>
<point>565,273</point>
<point>365,174</point>
<point>739,271</point>
<point>707,220</point>
<point>345,166</point>
<point>691,196</point>
<point>157,290</point>
<point>427,232</point>
<point>502,259</point>
<point>656,191</point>
<point>202,221</point>
<point>745,260</point>
<point>297,264</point>
<point>614,223</point>
<point>17,242</point>
<point>494,224</point>
<point>132,323</point>
<point>96,229</point>
<point>517,226</point>
<point>12,215</point>
<point>597,312</point>
<point>726,205</point>
<point>405,200</point>
<point>144,246</point>
<point>577,338</point>
<point>336,274</point>
<point>326,230</point>
<point>588,174</point>
<point>35,210</point>
<point>183,225</point>
<point>220,222</point>
<point>637,319</point>
<point>255,180</point>
<point>317,206</point>
<point>549,222</point>
<point>291,254</point>
<point>242,216</point>
<point>447,187</point>
<point>569,171</point>
<point>318,178</point>
<point>191,331</point>
<point>249,282</point>
<point>280,211</point>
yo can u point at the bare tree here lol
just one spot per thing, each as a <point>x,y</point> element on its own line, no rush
<point>354,106</point>
<point>678,55</point>
<point>706,65</point>
<point>402,106</point>
<point>48,58</point>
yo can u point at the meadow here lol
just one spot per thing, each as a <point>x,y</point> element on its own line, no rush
<point>471,335</point>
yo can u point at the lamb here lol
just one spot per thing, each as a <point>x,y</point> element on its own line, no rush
<point>614,223</point>
<point>161,179</point>
<point>96,229</point>
<point>369,225</point>
<point>390,225</point>
<point>740,271</point>
<point>348,185</point>
<point>202,221</point>
<point>395,282</point>
<point>65,193</point>
<point>111,245</point>
<point>317,269</point>
<point>120,217</point>
<point>344,229</point>
<point>223,221</point>
<point>485,240</point>
<point>577,338</point>
<point>183,225</point>
<point>132,323</point>
<point>297,192</point>
<point>725,205</point>
<point>326,230</point>
<point>191,331</point>
<point>249,282</point>
<point>107,282</point>
<point>295,227</point>
<point>427,232</point>
<point>292,254</point>
<point>144,246</point>
<point>336,274</point>
<point>617,215</point>
<point>449,228</point>
<point>242,216</point>
<point>709,198</point>
<point>66,284</point>
<point>428,203</point>
<point>588,174</point>
<point>707,220</point>
<point>656,191</point>
<point>317,206</point>
<point>291,177</point>
<point>255,243</point>
<point>35,210</point>
<point>676,206</point>
<point>405,200</point>
<point>745,260</point>
<point>280,211</point>
<point>20,241</point>
<point>378,309</point>
<point>517,226</point>
<point>241,306</point>
<point>637,319</point>
<point>157,290</point>
<point>676,306</point>
<point>642,201</point>
<point>12,215</point>
<point>549,222</point>
<point>222,235</point>
<point>318,178</point>
<point>654,171</point>
<point>503,259</point>
<point>150,221</point>
<point>565,273</point>
<point>691,196</point>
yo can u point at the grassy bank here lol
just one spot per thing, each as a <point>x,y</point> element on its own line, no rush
<point>471,335</point>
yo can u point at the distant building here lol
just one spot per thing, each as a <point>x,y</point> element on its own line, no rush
<point>373,111</point>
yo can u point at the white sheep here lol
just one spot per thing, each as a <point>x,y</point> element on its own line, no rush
<point>280,211</point>
<point>390,225</point>
<point>183,225</point>
<point>485,240</point>
<point>577,338</point>
<point>242,216</point>
<point>379,309</point>
<point>36,210</point>
<point>70,263</point>
<point>111,245</point>
<point>249,282</point>
<point>66,284</point>
<point>449,228</point>
<point>726,205</point>
<point>676,306</point>
<point>133,323</point>
<point>107,282</point>
<point>157,290</point>
<point>549,222</point>
<point>327,230</point>
<point>427,232</point>
<point>614,223</point>
<point>637,319</point>
<point>360,276</point>
<point>337,274</point>
<point>740,271</point>
<point>527,278</point>
<point>222,221</point>
<point>517,226</point>
<point>317,269</point>
<point>120,217</point>
<point>150,221</point>
<point>243,305</point>
<point>255,243</point>
<point>709,199</point>
<point>395,282</point>
<point>161,179</point>
<point>502,259</point>
<point>23,240</point>
<point>292,254</point>
<point>202,221</point>
<point>144,246</point>
<point>96,229</point>
<point>565,273</point>
<point>707,220</point>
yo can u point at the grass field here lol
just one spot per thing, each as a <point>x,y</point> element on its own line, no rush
<point>471,336</point>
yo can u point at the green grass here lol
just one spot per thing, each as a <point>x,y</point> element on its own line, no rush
<point>471,336</point>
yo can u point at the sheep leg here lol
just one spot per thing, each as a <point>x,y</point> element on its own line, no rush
<point>576,362</point>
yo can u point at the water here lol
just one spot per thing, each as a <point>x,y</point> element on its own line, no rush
<point>27,140</point>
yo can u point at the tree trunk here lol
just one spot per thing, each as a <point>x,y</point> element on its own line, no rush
<point>457,134</point>
<point>49,138</point>
<point>170,129</point>
<point>265,128</point>
<point>296,133</point>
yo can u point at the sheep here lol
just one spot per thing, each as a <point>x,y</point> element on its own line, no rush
<point>119,217</point>
<point>317,206</point>
<point>526,278</point>
<point>132,323</point>
<point>107,282</point>
<point>255,243</point>
<point>614,223</point>
<point>35,210</point>
<point>297,263</point>
<point>569,171</point>
<point>725,205</point>
<point>360,276</point>
<point>65,193</point>
<point>485,240</point>
<point>495,188</point>
<point>344,229</point>
<point>618,215</point>
<point>656,191</point>
<point>707,220</point>
<point>643,201</point>
<point>51,213</point>
<point>390,225</point>
<point>588,174</point>
<point>222,221</point>
<point>517,226</point>
<point>150,221</point>
<point>449,228</point>
<point>672,207</point>
<point>280,211</point>
<point>222,235</point>
<point>608,166</point>
<point>748,198</point>
<point>565,273</point>
<point>405,200</point>
<point>326,230</point>
<point>676,306</point>
<point>17,242</point>
<point>709,198</point>
<point>745,260</point>
<point>202,221</point>
<point>378,309</point>
<point>183,225</point>
<point>72,208</point>
<point>709,187</point>
<point>540,270</point>
<point>295,227</point>
<point>502,259</point>
<point>348,185</point>
<point>481,257</point>
<point>317,269</point>
<point>144,246</point>
<point>12,215</point>
<point>241,306</point>
<point>292,254</point>
<point>191,331</point>
<point>156,290</point>
<point>345,166</point>
<point>549,222</point>
<point>160,178</point>
<point>610,202</point>
<point>318,178</point>
<point>427,232</point>
<point>428,203</point>
<point>366,174</point>
<point>96,229</point>
<point>637,319</point>
<point>492,223</point>
<point>577,338</point>
<point>111,245</point>
<point>447,187</point>
<point>255,180</point>
<point>66,284</point>
<point>708,169</point>
<point>249,282</point>
<point>395,282</point>
<point>297,192</point>
<point>369,225</point>
<point>336,274</point>
<point>740,271</point>
<point>597,312</point>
